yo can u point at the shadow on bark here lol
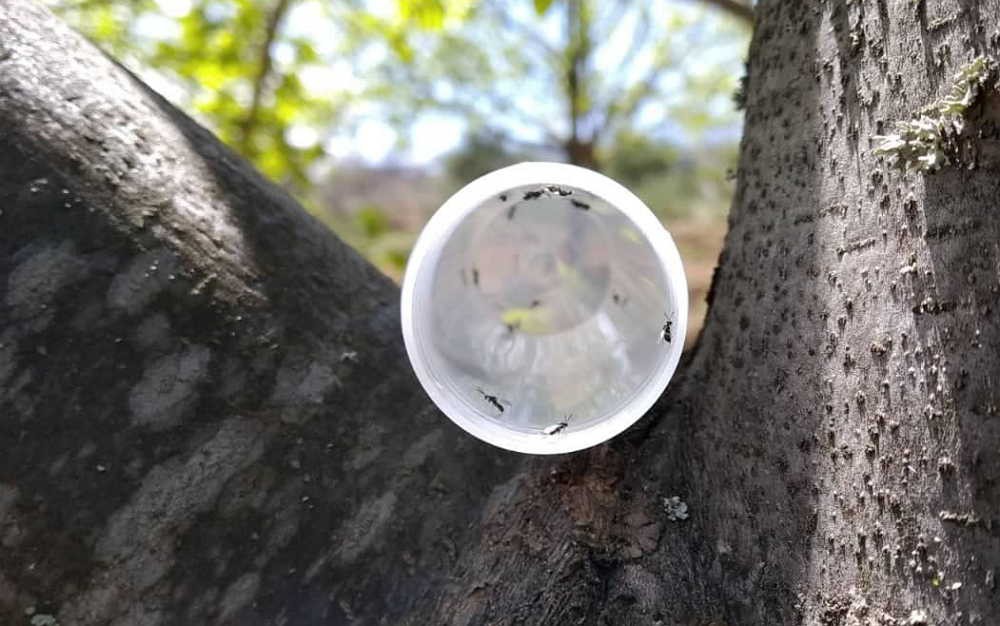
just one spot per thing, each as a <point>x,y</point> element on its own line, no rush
<point>293,468</point>
<point>377,452</point>
<point>954,353</point>
<point>751,422</point>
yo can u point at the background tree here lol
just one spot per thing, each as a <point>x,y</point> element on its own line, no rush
<point>235,64</point>
<point>240,66</point>
<point>208,417</point>
<point>307,90</point>
<point>567,77</point>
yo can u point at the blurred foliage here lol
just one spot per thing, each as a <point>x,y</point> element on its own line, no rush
<point>640,90</point>
<point>371,232</point>
<point>372,222</point>
<point>635,159</point>
<point>106,23</point>
<point>226,65</point>
<point>567,77</point>
<point>695,188</point>
<point>229,62</point>
<point>482,152</point>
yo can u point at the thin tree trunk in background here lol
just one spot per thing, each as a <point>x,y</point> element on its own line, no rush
<point>264,65</point>
<point>578,150</point>
<point>208,417</point>
<point>741,10</point>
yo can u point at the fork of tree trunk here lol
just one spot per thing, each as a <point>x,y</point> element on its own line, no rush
<point>207,416</point>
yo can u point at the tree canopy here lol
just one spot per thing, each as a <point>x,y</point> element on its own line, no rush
<point>281,80</point>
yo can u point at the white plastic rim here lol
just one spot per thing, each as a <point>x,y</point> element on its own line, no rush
<point>423,263</point>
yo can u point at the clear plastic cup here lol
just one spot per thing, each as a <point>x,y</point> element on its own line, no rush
<point>544,308</point>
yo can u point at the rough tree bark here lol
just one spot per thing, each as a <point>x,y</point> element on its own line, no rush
<point>207,415</point>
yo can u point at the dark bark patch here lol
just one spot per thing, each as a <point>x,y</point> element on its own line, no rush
<point>144,277</point>
<point>39,273</point>
<point>169,387</point>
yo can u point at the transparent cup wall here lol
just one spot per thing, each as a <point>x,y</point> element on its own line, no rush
<point>547,310</point>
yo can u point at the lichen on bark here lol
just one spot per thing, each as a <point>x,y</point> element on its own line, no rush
<point>928,142</point>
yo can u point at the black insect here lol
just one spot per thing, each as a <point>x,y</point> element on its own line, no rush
<point>562,191</point>
<point>503,197</point>
<point>619,299</point>
<point>513,326</point>
<point>665,331</point>
<point>491,399</point>
<point>580,205</point>
<point>475,277</point>
<point>535,304</point>
<point>531,195</point>
<point>558,427</point>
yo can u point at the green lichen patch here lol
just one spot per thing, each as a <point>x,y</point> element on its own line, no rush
<point>929,141</point>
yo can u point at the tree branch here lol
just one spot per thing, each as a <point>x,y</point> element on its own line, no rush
<point>484,107</point>
<point>735,8</point>
<point>249,124</point>
<point>224,346</point>
<point>531,35</point>
<point>628,103</point>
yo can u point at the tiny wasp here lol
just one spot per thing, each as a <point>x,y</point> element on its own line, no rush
<point>558,427</point>
<point>665,331</point>
<point>491,399</point>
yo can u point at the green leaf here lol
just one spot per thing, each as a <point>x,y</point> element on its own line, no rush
<point>541,6</point>
<point>401,47</point>
<point>372,221</point>
<point>428,14</point>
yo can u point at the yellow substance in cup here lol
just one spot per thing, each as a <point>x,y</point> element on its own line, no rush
<point>534,321</point>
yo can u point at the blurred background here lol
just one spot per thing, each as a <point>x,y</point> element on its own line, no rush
<point>373,112</point>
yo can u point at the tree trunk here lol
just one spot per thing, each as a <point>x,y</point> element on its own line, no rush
<point>582,153</point>
<point>207,413</point>
<point>208,416</point>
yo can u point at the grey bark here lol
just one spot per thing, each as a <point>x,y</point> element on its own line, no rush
<point>208,418</point>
